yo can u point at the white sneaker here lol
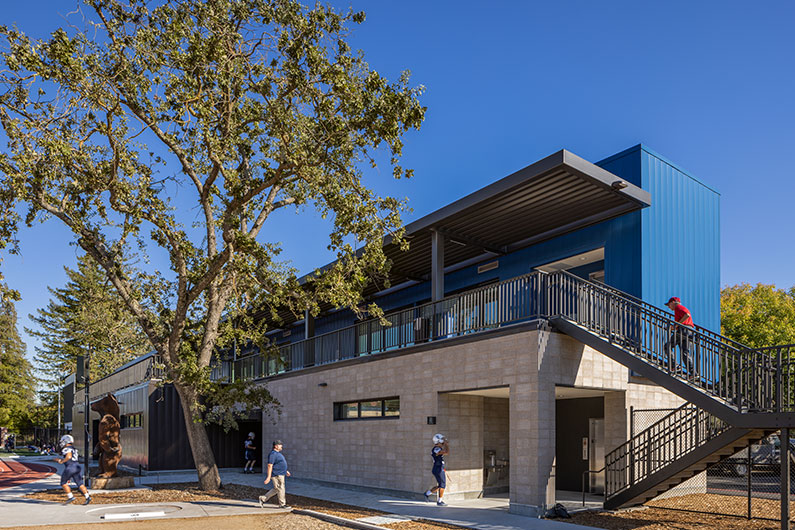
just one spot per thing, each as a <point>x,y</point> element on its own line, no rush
<point>262,501</point>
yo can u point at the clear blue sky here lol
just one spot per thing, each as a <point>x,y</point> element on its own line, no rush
<point>708,85</point>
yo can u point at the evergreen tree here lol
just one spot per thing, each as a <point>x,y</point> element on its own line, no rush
<point>17,384</point>
<point>86,315</point>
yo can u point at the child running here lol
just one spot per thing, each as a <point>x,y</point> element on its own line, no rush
<point>72,469</point>
<point>440,448</point>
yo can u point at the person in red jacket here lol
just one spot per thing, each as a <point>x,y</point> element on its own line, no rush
<point>681,335</point>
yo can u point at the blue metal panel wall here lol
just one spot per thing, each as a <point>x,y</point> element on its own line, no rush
<point>681,240</point>
<point>668,249</point>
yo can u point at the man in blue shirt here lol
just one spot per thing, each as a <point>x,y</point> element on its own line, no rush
<point>277,471</point>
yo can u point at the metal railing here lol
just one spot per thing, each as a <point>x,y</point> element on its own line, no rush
<point>508,302</point>
<point>749,380</point>
<point>746,379</point>
<point>677,434</point>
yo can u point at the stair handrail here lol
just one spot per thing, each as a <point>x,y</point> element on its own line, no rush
<point>676,434</point>
<point>736,374</point>
<point>640,303</point>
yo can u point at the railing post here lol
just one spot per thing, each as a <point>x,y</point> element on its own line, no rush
<point>785,478</point>
<point>750,463</point>
<point>779,392</point>
<point>738,375</point>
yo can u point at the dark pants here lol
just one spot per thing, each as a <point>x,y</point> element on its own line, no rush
<point>682,337</point>
<point>72,471</point>
<point>438,473</point>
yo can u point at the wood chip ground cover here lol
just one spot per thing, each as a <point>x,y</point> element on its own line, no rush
<point>190,492</point>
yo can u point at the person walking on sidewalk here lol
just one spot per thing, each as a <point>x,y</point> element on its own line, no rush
<point>250,454</point>
<point>439,450</point>
<point>72,470</point>
<point>682,334</point>
<point>277,471</point>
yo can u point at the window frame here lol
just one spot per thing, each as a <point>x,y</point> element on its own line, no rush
<point>339,406</point>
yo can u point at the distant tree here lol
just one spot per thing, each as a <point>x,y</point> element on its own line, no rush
<point>759,315</point>
<point>260,105</point>
<point>17,383</point>
<point>85,315</point>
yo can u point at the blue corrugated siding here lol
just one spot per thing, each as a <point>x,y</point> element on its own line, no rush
<point>668,249</point>
<point>681,240</point>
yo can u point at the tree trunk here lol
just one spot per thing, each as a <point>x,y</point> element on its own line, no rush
<point>209,478</point>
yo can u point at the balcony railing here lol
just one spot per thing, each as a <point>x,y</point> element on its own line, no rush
<point>508,302</point>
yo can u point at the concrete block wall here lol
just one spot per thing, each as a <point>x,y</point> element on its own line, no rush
<point>462,422</point>
<point>393,454</point>
<point>496,427</point>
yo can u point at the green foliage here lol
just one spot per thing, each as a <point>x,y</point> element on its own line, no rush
<point>17,384</point>
<point>85,315</point>
<point>759,315</point>
<point>243,108</point>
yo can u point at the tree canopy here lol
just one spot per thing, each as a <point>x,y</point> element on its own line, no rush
<point>85,315</point>
<point>17,383</point>
<point>239,108</point>
<point>758,315</point>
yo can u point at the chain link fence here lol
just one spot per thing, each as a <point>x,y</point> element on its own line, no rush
<point>746,484</point>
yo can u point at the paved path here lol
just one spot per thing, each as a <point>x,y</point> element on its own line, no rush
<point>484,514</point>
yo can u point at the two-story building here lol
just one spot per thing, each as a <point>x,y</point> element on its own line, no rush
<point>470,350</point>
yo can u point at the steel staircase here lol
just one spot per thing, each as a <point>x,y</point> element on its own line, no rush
<point>736,395</point>
<point>678,447</point>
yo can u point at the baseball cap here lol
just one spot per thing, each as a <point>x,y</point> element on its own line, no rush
<point>673,299</point>
<point>277,442</point>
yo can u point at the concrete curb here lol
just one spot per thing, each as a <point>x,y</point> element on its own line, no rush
<point>340,520</point>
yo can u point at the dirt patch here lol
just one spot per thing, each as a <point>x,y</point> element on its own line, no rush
<point>650,518</point>
<point>222,522</point>
<point>190,492</point>
<point>724,505</point>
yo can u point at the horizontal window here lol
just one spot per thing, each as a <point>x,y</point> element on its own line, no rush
<point>132,421</point>
<point>371,409</point>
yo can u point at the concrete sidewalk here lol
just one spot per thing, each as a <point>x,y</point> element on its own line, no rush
<point>484,514</point>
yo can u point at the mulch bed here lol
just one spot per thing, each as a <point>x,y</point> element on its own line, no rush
<point>190,492</point>
<point>659,519</point>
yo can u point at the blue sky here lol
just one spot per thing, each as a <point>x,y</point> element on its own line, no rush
<point>708,85</point>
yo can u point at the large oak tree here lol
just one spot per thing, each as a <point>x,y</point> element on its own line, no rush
<point>260,105</point>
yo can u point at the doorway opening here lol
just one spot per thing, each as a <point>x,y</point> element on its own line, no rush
<point>579,441</point>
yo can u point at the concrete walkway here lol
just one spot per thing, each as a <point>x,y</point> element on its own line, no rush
<point>485,514</point>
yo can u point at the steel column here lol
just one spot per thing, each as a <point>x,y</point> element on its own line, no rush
<point>785,481</point>
<point>437,266</point>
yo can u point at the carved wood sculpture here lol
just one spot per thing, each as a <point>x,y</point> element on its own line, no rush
<point>108,446</point>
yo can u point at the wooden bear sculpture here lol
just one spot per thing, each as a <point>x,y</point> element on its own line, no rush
<point>108,446</point>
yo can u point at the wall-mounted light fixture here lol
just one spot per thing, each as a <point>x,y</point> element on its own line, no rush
<point>322,384</point>
<point>619,184</point>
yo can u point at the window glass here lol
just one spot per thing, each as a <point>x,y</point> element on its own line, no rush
<point>371,409</point>
<point>349,410</point>
<point>392,407</point>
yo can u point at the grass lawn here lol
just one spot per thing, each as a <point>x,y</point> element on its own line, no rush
<point>21,452</point>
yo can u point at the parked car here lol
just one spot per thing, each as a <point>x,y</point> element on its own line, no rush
<point>764,458</point>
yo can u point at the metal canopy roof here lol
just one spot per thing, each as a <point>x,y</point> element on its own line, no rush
<point>555,195</point>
